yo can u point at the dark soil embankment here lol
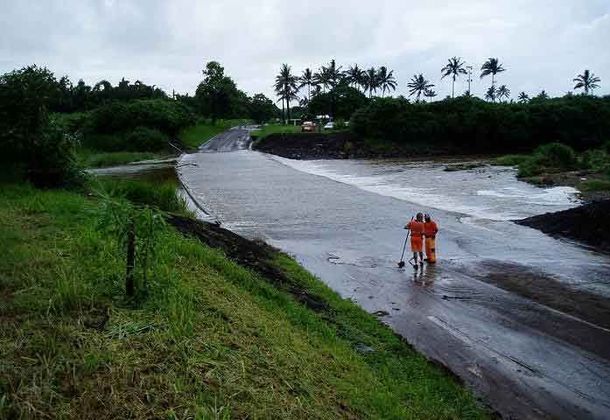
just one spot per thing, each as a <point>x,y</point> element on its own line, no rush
<point>257,256</point>
<point>339,145</point>
<point>589,224</point>
<point>306,145</point>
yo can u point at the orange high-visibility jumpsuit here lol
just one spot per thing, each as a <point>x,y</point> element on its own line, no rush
<point>417,230</point>
<point>430,231</point>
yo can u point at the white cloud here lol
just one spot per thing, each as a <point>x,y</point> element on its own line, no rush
<point>542,43</point>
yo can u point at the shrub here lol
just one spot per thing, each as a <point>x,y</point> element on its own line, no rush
<point>530,167</point>
<point>28,137</point>
<point>145,139</point>
<point>472,125</point>
<point>556,155</point>
<point>166,116</point>
<point>596,160</point>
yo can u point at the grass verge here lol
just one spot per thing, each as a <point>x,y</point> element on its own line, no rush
<point>210,340</point>
<point>268,129</point>
<point>92,159</point>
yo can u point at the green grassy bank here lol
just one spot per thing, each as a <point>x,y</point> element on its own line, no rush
<point>558,164</point>
<point>268,129</point>
<point>190,137</point>
<point>209,339</point>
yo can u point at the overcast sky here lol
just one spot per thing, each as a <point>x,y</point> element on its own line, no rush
<point>543,44</point>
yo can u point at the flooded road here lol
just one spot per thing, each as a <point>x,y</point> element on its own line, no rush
<point>343,221</point>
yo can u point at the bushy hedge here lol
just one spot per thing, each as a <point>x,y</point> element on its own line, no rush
<point>167,116</point>
<point>145,139</point>
<point>141,125</point>
<point>549,158</point>
<point>473,125</point>
<point>32,143</point>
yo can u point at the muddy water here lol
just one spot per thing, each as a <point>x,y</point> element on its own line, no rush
<point>342,220</point>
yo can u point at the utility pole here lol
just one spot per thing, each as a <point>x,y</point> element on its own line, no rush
<point>469,78</point>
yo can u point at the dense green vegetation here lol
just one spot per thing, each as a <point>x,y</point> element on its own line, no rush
<point>206,339</point>
<point>49,127</point>
<point>592,167</point>
<point>469,125</point>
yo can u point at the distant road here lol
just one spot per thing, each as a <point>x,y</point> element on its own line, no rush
<point>237,138</point>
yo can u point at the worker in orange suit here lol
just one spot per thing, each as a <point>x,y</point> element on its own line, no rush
<point>417,231</point>
<point>430,231</point>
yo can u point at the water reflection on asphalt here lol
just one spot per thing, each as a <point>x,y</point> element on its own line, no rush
<point>343,221</point>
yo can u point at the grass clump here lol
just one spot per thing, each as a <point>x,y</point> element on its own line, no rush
<point>161,195</point>
<point>210,340</point>
<point>91,159</point>
<point>548,158</point>
<point>268,129</point>
<point>595,185</point>
<point>510,160</point>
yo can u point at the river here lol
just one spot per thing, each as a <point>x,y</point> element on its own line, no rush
<point>342,220</point>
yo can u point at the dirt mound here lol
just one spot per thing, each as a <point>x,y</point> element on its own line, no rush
<point>343,145</point>
<point>306,145</point>
<point>589,224</point>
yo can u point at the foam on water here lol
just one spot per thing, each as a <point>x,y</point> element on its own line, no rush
<point>486,193</point>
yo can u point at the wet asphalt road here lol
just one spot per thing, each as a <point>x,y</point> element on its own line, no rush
<point>524,359</point>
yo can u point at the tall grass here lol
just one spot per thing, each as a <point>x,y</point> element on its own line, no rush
<point>93,159</point>
<point>211,338</point>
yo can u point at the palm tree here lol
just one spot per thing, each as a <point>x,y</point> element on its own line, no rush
<point>454,67</point>
<point>387,81</point>
<point>286,87</point>
<point>503,92</point>
<point>355,75</point>
<point>307,79</point>
<point>418,85</point>
<point>491,93</point>
<point>523,98</point>
<point>371,81</point>
<point>491,66</point>
<point>587,80</point>
<point>542,95</point>
<point>322,78</point>
<point>429,93</point>
<point>334,73</point>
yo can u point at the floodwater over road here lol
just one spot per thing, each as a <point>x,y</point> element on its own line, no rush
<point>342,220</point>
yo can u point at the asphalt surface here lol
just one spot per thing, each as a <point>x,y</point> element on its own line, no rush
<point>524,359</point>
<point>229,141</point>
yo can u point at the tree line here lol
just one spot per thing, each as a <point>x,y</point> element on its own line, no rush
<point>331,78</point>
<point>43,119</point>
<point>471,125</point>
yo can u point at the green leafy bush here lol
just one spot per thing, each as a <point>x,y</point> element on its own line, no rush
<point>145,139</point>
<point>471,125</point>
<point>166,116</point>
<point>596,160</point>
<point>556,155</point>
<point>28,137</point>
